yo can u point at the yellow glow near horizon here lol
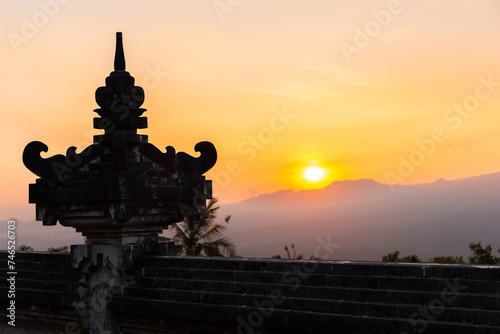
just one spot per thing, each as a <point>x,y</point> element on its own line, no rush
<point>314,174</point>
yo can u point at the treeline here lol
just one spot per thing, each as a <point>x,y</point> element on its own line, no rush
<point>62,249</point>
<point>479,255</point>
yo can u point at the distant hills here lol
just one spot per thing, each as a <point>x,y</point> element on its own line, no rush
<point>364,217</point>
<point>369,220</point>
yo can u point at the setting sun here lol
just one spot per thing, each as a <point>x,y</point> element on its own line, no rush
<point>314,174</point>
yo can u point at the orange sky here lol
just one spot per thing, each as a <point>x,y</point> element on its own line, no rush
<point>361,82</point>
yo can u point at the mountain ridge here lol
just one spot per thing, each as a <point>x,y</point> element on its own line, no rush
<point>370,219</point>
<point>373,182</point>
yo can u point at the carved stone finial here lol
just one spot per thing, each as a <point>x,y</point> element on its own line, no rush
<point>119,54</point>
<point>120,96</point>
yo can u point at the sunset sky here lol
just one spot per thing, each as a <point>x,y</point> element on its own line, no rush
<point>396,91</point>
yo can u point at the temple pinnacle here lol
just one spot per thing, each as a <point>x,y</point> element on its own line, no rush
<point>119,55</point>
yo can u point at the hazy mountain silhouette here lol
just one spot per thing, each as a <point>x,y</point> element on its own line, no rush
<point>368,219</point>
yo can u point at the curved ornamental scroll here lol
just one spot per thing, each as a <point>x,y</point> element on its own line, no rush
<point>181,162</point>
<point>57,167</point>
<point>197,166</point>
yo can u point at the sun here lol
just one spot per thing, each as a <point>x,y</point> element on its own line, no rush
<point>309,174</point>
<point>314,174</point>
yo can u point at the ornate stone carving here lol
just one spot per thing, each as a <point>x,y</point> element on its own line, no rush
<point>120,186</point>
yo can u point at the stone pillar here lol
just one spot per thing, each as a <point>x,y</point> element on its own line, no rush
<point>103,269</point>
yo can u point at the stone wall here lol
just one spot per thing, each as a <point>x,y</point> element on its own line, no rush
<point>165,294</point>
<point>46,287</point>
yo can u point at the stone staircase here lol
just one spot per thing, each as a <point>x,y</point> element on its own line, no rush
<point>221,295</point>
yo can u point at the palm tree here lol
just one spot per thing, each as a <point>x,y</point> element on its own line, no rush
<point>203,236</point>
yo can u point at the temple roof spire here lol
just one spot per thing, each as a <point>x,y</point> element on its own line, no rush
<point>119,54</point>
